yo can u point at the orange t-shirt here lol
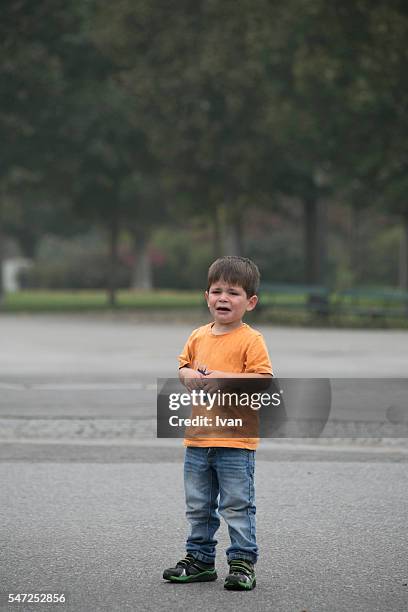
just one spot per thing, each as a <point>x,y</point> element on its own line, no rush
<point>243,351</point>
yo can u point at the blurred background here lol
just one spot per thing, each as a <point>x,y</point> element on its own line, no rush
<point>140,140</point>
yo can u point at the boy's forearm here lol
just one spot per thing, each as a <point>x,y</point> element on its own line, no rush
<point>241,375</point>
<point>236,379</point>
<point>181,373</point>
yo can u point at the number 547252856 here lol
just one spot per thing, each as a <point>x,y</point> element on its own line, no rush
<point>36,598</point>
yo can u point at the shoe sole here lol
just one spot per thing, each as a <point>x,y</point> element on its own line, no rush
<point>240,586</point>
<point>203,577</point>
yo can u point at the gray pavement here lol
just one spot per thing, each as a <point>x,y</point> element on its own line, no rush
<point>45,348</point>
<point>332,537</point>
<point>90,377</point>
<point>92,503</point>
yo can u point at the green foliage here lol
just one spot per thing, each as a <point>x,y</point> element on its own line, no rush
<point>199,92</point>
<point>279,259</point>
<point>129,114</point>
<point>183,259</point>
<point>80,263</point>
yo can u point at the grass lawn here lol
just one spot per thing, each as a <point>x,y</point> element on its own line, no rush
<point>277,309</point>
<point>48,301</point>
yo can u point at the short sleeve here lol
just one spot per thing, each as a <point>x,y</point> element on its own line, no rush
<point>185,357</point>
<point>257,358</point>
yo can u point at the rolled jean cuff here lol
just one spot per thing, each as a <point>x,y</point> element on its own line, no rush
<point>201,557</point>
<point>243,556</point>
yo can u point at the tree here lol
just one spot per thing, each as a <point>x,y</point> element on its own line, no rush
<point>351,71</point>
<point>73,148</point>
<point>34,39</point>
<point>199,96</point>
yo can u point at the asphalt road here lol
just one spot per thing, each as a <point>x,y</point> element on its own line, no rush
<point>96,377</point>
<point>45,348</point>
<point>332,537</point>
<point>92,505</point>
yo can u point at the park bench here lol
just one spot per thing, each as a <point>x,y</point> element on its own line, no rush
<point>316,299</point>
<point>373,302</point>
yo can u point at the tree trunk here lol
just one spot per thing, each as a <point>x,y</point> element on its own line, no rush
<point>355,249</point>
<point>315,241</point>
<point>403,261</point>
<point>113,260</point>
<point>323,243</point>
<point>310,225</point>
<point>234,235</point>
<point>142,274</point>
<point>1,266</point>
<point>217,242</point>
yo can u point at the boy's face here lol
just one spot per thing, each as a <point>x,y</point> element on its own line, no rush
<point>228,303</point>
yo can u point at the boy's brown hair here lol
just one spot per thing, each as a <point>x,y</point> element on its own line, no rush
<point>235,270</point>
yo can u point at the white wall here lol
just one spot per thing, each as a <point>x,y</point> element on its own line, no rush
<point>11,270</point>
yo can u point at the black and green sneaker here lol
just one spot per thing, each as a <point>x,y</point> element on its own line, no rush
<point>191,569</point>
<point>241,576</point>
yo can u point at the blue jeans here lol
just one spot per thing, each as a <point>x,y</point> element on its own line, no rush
<point>222,479</point>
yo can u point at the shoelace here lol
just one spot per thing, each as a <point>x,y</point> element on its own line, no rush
<point>240,567</point>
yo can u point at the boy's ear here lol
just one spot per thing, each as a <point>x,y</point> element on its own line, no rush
<point>206,296</point>
<point>252,302</point>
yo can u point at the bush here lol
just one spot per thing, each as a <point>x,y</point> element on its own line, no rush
<point>184,259</point>
<point>81,263</point>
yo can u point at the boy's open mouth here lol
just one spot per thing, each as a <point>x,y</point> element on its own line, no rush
<point>223,309</point>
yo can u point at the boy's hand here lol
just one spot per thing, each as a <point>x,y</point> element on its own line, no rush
<point>191,379</point>
<point>214,380</point>
<point>217,374</point>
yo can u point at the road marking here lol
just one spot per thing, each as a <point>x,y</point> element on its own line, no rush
<point>87,386</point>
<point>11,387</point>
<point>136,386</point>
<point>177,444</point>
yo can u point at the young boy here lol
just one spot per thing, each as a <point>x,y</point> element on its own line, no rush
<point>219,472</point>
